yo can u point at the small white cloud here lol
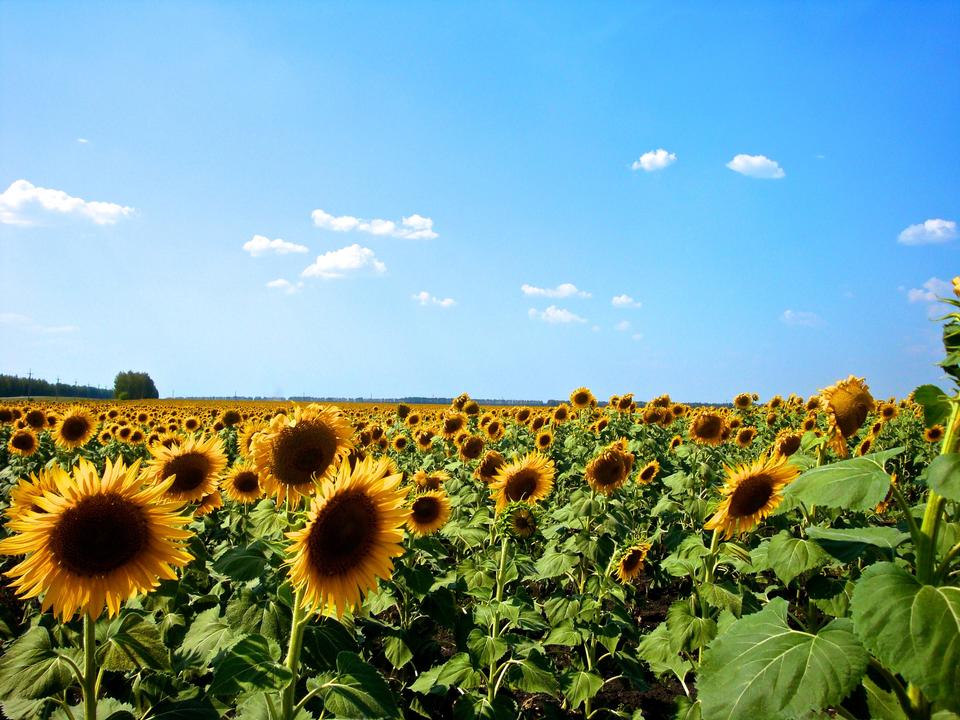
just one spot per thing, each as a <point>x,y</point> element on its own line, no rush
<point>756,166</point>
<point>563,290</point>
<point>625,301</point>
<point>82,141</point>
<point>654,160</point>
<point>285,286</point>
<point>338,263</point>
<point>637,336</point>
<point>20,202</point>
<point>799,317</point>
<point>425,298</point>
<point>260,245</point>
<point>931,290</point>
<point>929,232</point>
<point>622,326</point>
<point>25,322</point>
<point>412,227</point>
<point>555,316</point>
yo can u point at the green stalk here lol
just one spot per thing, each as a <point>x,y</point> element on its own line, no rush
<point>495,628</point>
<point>297,627</point>
<point>89,685</point>
<point>927,554</point>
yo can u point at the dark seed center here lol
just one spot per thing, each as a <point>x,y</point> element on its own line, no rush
<point>101,533</point>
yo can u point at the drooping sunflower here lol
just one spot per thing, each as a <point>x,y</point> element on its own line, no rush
<point>751,492</point>
<point>75,428</point>
<point>471,447</point>
<point>297,452</point>
<point>354,529</point>
<point>631,562</point>
<point>847,404</point>
<point>527,479</point>
<point>23,442</point>
<point>208,504</point>
<point>582,398</point>
<point>98,542</point>
<point>522,521</point>
<point>675,442</point>
<point>707,428</point>
<point>196,463</point>
<point>488,466</point>
<point>648,472</point>
<point>787,443</point>
<point>430,480</point>
<point>610,469</point>
<point>429,511</point>
<point>809,423</point>
<point>242,483</point>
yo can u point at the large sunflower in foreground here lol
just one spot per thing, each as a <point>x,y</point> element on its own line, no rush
<point>297,452</point>
<point>611,468</point>
<point>751,492</point>
<point>847,404</point>
<point>528,479</point>
<point>195,466</point>
<point>75,428</point>
<point>96,541</point>
<point>354,529</point>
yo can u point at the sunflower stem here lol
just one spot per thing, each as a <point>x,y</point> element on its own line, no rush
<point>495,626</point>
<point>927,552</point>
<point>297,627</point>
<point>89,686</point>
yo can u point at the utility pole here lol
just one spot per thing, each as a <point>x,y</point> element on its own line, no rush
<point>29,379</point>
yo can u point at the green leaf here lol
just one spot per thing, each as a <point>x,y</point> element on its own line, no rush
<point>535,675</point>
<point>761,668</point>
<point>323,640</point>
<point>789,556</point>
<point>356,690</point>
<point>457,671</point>
<point>657,650</point>
<point>207,635</point>
<point>397,651</point>
<point>943,476</point>
<point>32,668</point>
<point>580,685</point>
<point>564,634</point>
<point>688,631</point>
<point>485,649</point>
<point>849,543</point>
<point>248,665</point>
<point>554,564</point>
<point>855,484</point>
<point>185,710</point>
<point>883,704</point>
<point>242,563</point>
<point>912,629</point>
<point>936,405</point>
<point>131,642</point>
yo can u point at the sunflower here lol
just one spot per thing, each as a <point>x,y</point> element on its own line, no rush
<point>354,529</point>
<point>522,520</point>
<point>888,411</point>
<point>630,564</point>
<point>528,479</point>
<point>400,442</point>
<point>884,504</point>
<point>787,443</point>
<point>582,398</point>
<point>745,436</point>
<point>561,413</point>
<point>707,428</point>
<point>23,442</point>
<point>743,401</point>
<point>452,424</point>
<point>488,466</point>
<point>648,472</point>
<point>75,428</point>
<point>22,496</point>
<point>809,423</point>
<point>99,541</point>
<point>196,465</point>
<point>865,446</point>
<point>543,440</point>
<point>296,453</point>
<point>610,469</point>
<point>751,492</point>
<point>242,483</point>
<point>429,512</point>
<point>471,447</point>
<point>931,434</point>
<point>36,419</point>
<point>191,424</point>
<point>675,442</point>
<point>847,404</point>
<point>208,504</point>
<point>430,480</point>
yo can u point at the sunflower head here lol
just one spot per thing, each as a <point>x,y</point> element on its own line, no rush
<point>707,428</point>
<point>488,466</point>
<point>630,564</point>
<point>847,404</point>
<point>471,447</point>
<point>96,541</point>
<point>675,442</point>
<point>582,398</point>
<point>745,436</point>
<point>931,434</point>
<point>23,442</point>
<point>648,472</point>
<point>353,532</point>
<point>787,443</point>
<point>750,493</point>
<point>520,520</point>
<point>434,480</point>
<point>194,466</point>
<point>544,440</point>
<point>528,479</point>
<point>208,504</point>
<point>242,483</point>
<point>75,428</point>
<point>743,401</point>
<point>429,511</point>
<point>610,469</point>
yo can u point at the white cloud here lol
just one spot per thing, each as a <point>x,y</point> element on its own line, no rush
<point>563,290</point>
<point>654,160</point>
<point>756,166</point>
<point>260,245</point>
<point>82,141</point>
<point>929,232</point>
<point>555,315</point>
<point>338,263</point>
<point>20,202</point>
<point>625,301</point>
<point>622,326</point>
<point>25,322</point>
<point>425,298</point>
<point>637,336</point>
<point>413,227</point>
<point>930,291</point>
<point>800,317</point>
<point>285,285</point>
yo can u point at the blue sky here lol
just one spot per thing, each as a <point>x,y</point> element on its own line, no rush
<point>510,145</point>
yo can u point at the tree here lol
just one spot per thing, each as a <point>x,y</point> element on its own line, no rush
<point>132,385</point>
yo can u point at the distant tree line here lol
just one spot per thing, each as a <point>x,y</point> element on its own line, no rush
<point>16,386</point>
<point>132,385</point>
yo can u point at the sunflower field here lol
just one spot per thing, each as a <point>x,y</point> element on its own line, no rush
<point>795,558</point>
